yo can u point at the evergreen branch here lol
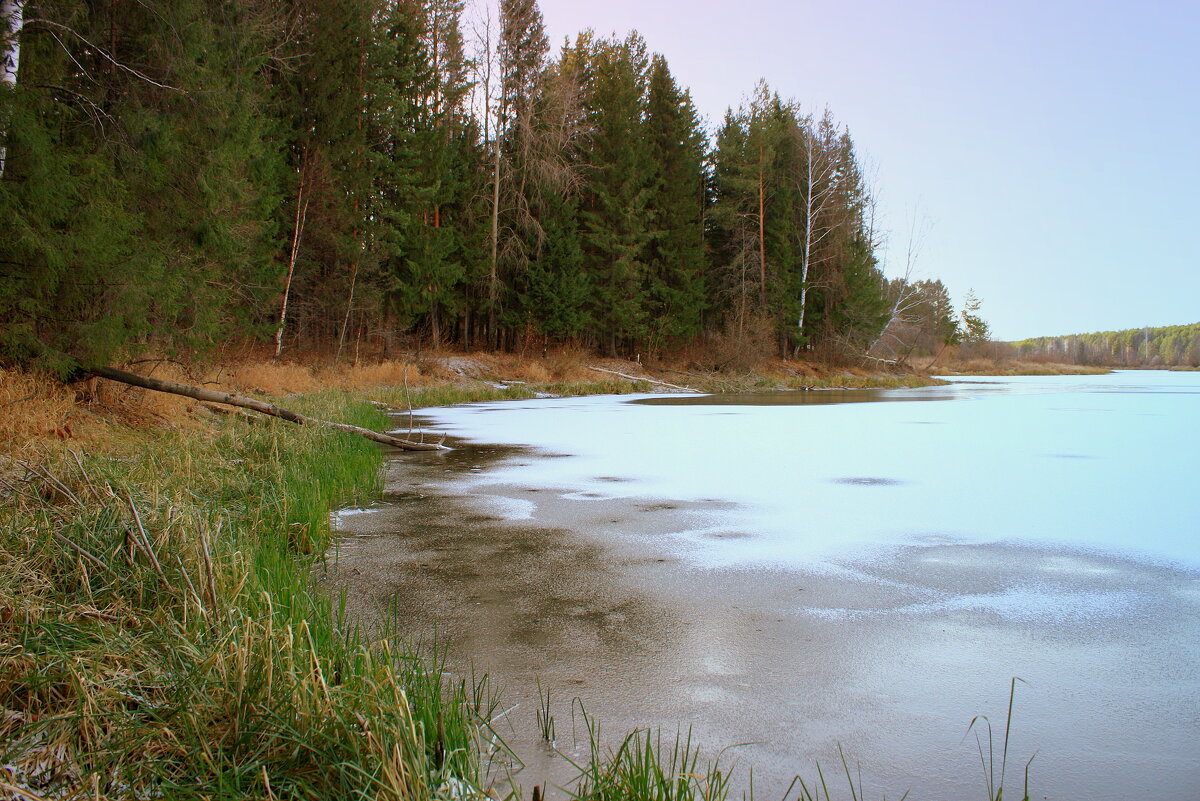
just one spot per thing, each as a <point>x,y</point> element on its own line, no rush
<point>96,111</point>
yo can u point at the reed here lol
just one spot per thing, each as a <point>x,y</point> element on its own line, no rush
<point>996,783</point>
<point>160,637</point>
<point>545,719</point>
<point>646,767</point>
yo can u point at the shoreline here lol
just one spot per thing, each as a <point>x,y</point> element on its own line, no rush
<point>180,462</point>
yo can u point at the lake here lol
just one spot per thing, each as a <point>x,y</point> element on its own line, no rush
<point>790,572</point>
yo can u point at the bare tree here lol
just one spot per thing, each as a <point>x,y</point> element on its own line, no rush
<point>906,295</point>
<point>530,115</point>
<point>492,112</point>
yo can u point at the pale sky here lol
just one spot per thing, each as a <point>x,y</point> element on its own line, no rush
<point>1050,149</point>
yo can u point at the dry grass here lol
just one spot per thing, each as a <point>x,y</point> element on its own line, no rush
<point>33,408</point>
<point>41,414</point>
<point>290,378</point>
<point>985,366</point>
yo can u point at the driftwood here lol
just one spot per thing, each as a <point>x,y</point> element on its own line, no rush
<point>228,399</point>
<point>641,378</point>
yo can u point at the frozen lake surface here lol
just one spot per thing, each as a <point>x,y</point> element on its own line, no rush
<point>1107,463</point>
<point>798,570</point>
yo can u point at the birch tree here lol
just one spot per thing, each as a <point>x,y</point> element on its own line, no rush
<point>816,185</point>
<point>12,16</point>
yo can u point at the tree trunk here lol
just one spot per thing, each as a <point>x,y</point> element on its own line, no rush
<point>349,307</point>
<point>493,277</point>
<point>762,236</point>
<point>212,396</point>
<point>12,16</point>
<point>809,219</point>
<point>297,230</point>
<point>641,378</point>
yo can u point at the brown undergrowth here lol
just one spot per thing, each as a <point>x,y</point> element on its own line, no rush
<point>38,414</point>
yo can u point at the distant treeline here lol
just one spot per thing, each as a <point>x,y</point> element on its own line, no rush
<point>1170,346</point>
<point>335,174</point>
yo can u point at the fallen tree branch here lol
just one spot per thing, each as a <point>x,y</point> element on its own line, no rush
<point>30,396</point>
<point>241,414</point>
<point>229,399</point>
<point>893,362</point>
<point>641,378</point>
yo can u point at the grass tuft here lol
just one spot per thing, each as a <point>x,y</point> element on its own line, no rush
<point>994,783</point>
<point>545,720</point>
<point>646,768</point>
<point>159,637</point>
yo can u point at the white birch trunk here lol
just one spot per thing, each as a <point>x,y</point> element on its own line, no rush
<point>12,20</point>
<point>12,12</point>
<point>818,188</point>
<point>809,218</point>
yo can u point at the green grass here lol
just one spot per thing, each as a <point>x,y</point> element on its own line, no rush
<point>159,636</point>
<point>647,768</point>
<point>996,783</point>
<point>545,718</point>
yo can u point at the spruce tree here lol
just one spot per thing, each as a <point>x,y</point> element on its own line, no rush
<point>616,212</point>
<point>140,186</point>
<point>676,205</point>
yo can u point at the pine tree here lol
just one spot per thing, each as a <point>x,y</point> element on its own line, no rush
<point>676,206</point>
<point>616,214</point>
<point>554,292</point>
<point>427,138</point>
<point>140,185</point>
<point>975,329</point>
<point>754,209</point>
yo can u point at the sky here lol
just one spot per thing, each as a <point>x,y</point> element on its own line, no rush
<point>1047,154</point>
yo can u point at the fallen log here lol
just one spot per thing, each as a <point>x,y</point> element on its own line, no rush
<point>641,378</point>
<point>229,399</point>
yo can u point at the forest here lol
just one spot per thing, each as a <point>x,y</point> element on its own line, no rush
<point>371,175</point>
<point>1167,346</point>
